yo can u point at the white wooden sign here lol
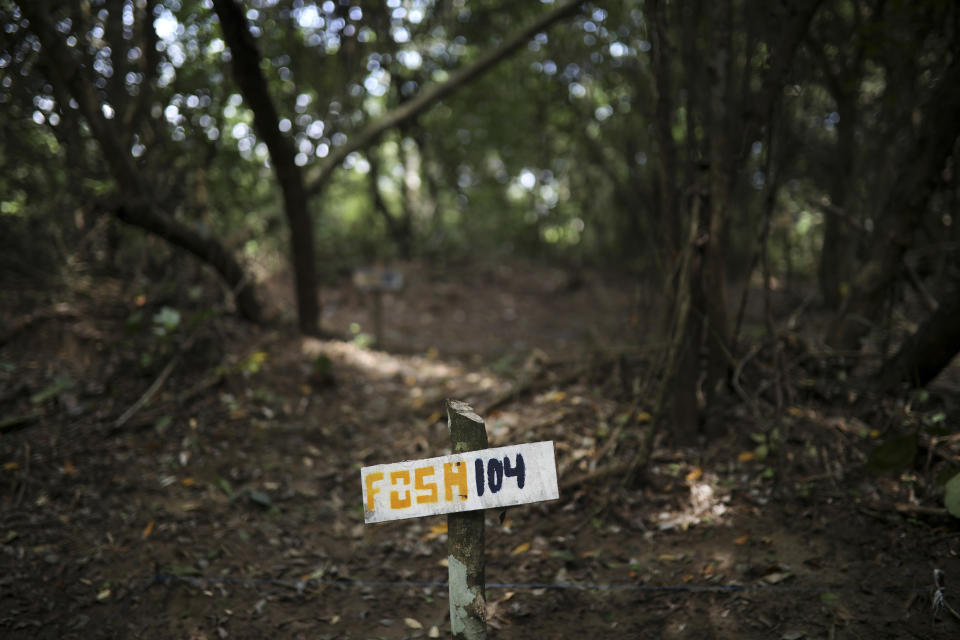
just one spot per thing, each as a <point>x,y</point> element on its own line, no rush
<point>484,479</point>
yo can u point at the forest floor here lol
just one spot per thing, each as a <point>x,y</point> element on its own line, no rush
<point>229,504</point>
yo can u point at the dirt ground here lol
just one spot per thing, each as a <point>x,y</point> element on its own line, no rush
<point>228,506</point>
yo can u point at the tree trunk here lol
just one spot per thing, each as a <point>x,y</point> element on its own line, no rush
<point>902,213</point>
<point>835,267</point>
<point>928,351</point>
<point>253,85</point>
<point>69,79</point>
<point>399,228</point>
<point>206,248</point>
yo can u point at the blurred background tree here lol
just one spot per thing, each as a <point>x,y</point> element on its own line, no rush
<point>803,149</point>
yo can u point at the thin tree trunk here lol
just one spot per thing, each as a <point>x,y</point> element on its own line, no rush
<point>662,114</point>
<point>253,85</point>
<point>902,213</point>
<point>398,229</point>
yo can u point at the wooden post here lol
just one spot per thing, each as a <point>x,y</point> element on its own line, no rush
<point>378,319</point>
<point>465,532</point>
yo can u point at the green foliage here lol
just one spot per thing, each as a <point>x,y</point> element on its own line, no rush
<point>951,498</point>
<point>166,321</point>
<point>551,153</point>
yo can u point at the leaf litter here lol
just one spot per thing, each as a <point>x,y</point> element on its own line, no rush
<point>235,512</point>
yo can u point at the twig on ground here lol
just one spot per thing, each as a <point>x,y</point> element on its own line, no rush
<point>157,383</point>
<point>59,310</point>
<point>534,383</point>
<point>148,394</point>
<point>15,423</point>
<point>25,475</point>
<point>594,476</point>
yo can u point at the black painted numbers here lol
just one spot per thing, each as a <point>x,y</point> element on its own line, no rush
<point>492,474</point>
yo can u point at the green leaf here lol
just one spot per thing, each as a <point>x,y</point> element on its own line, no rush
<point>224,485</point>
<point>893,455</point>
<point>166,321</point>
<point>260,498</point>
<point>184,570</point>
<point>951,499</point>
<point>55,388</point>
<point>828,598</point>
<point>162,423</point>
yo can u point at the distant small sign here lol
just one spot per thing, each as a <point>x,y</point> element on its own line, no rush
<point>376,279</point>
<point>484,479</point>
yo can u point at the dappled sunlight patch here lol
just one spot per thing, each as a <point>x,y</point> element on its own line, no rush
<point>708,503</point>
<point>380,364</point>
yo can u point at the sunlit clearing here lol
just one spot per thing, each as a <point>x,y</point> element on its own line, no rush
<point>379,364</point>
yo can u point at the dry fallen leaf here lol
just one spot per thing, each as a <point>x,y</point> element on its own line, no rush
<point>434,632</point>
<point>741,540</point>
<point>436,531</point>
<point>147,530</point>
<point>746,456</point>
<point>694,475</point>
<point>521,548</point>
<point>68,468</point>
<point>11,466</point>
<point>412,623</point>
<point>776,577</point>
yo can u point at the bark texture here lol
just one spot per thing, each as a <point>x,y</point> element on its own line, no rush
<point>928,351</point>
<point>465,535</point>
<point>253,85</point>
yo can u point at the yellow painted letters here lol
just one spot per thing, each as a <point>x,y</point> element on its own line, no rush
<point>419,474</point>
<point>396,502</point>
<point>372,490</point>
<point>456,478</point>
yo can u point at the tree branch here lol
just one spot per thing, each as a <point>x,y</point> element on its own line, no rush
<point>420,103</point>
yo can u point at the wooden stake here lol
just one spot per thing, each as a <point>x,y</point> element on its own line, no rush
<point>465,533</point>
